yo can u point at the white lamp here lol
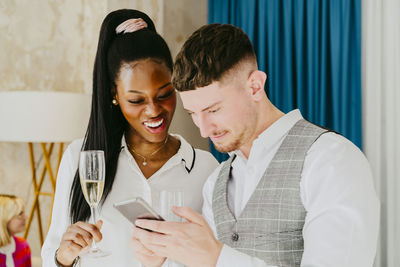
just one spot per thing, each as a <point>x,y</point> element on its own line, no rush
<point>46,118</point>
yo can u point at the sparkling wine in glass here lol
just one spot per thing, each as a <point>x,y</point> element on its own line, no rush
<point>92,176</point>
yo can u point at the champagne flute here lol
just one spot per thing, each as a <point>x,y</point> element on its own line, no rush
<point>92,176</point>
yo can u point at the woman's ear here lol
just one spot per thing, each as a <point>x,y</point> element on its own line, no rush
<point>256,84</point>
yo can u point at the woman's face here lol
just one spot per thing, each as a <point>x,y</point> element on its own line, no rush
<point>146,98</point>
<point>17,223</point>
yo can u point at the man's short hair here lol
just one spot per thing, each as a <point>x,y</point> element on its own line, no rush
<point>209,54</point>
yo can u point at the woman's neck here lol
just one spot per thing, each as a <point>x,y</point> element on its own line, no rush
<point>150,157</point>
<point>143,146</point>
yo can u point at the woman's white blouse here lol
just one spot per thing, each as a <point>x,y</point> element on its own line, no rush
<point>187,170</point>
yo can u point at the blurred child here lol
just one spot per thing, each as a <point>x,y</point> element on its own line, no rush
<point>14,251</point>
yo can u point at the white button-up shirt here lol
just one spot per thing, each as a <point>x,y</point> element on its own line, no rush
<point>336,187</point>
<point>187,171</point>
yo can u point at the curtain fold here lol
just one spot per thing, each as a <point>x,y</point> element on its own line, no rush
<point>381,117</point>
<point>311,52</point>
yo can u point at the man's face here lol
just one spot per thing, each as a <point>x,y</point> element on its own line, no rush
<point>223,111</point>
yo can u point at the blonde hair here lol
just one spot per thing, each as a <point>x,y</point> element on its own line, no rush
<point>10,206</point>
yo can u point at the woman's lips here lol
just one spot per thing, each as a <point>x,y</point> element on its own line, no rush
<point>155,126</point>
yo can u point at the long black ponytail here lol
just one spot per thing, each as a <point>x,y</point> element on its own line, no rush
<point>106,123</point>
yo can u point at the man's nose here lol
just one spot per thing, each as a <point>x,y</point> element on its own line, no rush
<point>205,126</point>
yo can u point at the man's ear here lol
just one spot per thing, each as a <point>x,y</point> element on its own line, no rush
<point>256,83</point>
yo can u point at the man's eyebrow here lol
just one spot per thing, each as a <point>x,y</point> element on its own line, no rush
<point>211,106</point>
<point>160,88</point>
<point>204,109</point>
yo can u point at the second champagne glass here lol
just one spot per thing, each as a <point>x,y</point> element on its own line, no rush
<point>92,176</point>
<point>168,199</point>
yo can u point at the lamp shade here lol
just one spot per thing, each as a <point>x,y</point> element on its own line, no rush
<point>43,116</point>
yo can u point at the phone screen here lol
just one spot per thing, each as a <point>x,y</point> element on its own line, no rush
<point>137,208</point>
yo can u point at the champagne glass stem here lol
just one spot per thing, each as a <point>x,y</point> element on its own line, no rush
<point>94,216</point>
<point>92,176</point>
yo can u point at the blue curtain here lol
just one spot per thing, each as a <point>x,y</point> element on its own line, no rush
<point>311,52</point>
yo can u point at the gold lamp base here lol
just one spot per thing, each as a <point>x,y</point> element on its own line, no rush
<point>47,150</point>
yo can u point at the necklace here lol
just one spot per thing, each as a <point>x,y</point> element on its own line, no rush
<point>144,163</point>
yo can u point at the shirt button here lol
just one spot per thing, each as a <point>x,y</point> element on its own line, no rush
<point>235,237</point>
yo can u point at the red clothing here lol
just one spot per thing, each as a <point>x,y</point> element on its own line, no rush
<point>21,255</point>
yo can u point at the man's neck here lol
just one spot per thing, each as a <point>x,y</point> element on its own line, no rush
<point>269,115</point>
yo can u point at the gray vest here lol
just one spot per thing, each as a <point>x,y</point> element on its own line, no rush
<point>270,226</point>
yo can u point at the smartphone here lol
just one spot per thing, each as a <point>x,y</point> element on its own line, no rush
<point>137,208</point>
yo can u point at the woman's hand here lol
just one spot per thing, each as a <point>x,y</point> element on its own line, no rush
<point>144,255</point>
<point>77,237</point>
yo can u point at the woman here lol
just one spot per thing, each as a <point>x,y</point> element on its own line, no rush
<point>132,107</point>
<point>14,250</point>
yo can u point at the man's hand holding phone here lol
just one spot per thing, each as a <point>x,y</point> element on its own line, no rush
<point>191,243</point>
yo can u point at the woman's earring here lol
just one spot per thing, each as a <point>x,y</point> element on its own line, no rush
<point>115,102</point>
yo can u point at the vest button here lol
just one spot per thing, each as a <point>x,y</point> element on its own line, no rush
<point>235,237</point>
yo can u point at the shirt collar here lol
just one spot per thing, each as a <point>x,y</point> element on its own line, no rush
<point>9,248</point>
<point>279,129</point>
<point>186,154</point>
<point>275,132</point>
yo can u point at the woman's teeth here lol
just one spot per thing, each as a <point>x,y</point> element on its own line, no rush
<point>154,124</point>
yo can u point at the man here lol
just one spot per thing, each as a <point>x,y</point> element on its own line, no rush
<point>291,194</point>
